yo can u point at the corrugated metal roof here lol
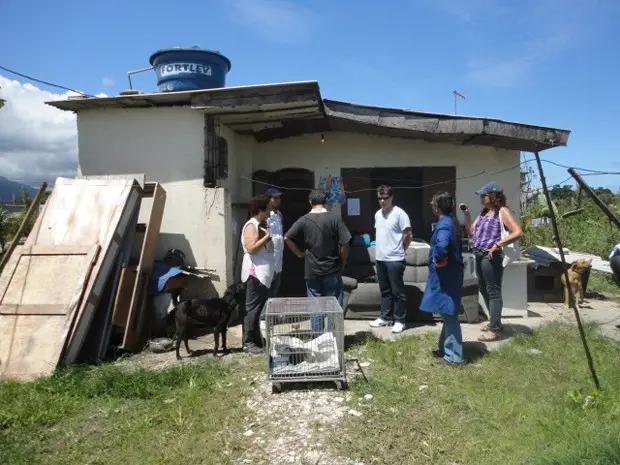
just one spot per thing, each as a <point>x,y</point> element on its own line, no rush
<point>274,111</point>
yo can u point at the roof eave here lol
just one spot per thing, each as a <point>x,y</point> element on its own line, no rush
<point>460,130</point>
<point>182,98</point>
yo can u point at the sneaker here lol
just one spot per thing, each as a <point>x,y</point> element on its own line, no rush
<point>252,349</point>
<point>398,327</point>
<point>379,322</point>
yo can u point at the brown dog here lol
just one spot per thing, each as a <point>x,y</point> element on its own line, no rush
<point>217,313</point>
<point>575,279</point>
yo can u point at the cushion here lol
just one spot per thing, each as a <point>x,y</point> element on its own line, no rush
<point>349,283</point>
<point>417,253</point>
<point>415,274</point>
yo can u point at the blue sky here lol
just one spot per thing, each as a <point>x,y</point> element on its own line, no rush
<point>546,62</point>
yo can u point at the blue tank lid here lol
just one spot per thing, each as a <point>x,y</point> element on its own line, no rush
<point>195,48</point>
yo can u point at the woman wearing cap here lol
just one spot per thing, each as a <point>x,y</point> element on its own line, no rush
<point>486,232</point>
<point>445,280</point>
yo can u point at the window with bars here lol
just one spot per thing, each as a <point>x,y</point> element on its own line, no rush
<point>215,153</point>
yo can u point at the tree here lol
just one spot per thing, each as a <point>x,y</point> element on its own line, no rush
<point>606,195</point>
<point>562,193</point>
<point>5,228</point>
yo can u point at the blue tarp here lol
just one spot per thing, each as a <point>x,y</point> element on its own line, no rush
<point>160,276</point>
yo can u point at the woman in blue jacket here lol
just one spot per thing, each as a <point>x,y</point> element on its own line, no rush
<point>445,279</point>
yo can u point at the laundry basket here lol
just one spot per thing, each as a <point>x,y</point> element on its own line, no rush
<point>305,341</point>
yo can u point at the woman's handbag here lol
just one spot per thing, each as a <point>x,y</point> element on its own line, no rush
<point>511,251</point>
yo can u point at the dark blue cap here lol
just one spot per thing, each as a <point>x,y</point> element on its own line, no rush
<point>272,192</point>
<point>489,188</point>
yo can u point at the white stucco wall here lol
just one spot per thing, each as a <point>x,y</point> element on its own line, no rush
<point>167,145</point>
<point>345,150</point>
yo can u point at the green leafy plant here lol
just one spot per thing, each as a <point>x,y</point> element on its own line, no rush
<point>582,400</point>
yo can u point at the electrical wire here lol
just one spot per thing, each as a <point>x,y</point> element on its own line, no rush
<point>43,82</point>
<point>421,186</point>
<point>484,172</point>
<point>587,170</point>
<point>601,174</point>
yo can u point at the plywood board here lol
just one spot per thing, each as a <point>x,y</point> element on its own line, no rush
<point>139,178</point>
<point>123,297</point>
<point>145,267</point>
<point>123,261</point>
<point>38,307</point>
<point>83,212</point>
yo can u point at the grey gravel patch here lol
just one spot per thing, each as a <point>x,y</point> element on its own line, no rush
<point>294,426</point>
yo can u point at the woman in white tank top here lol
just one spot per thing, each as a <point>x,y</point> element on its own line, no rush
<point>257,270</point>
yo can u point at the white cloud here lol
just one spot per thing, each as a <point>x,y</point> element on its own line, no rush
<point>512,71</point>
<point>529,40</point>
<point>107,81</point>
<point>37,142</point>
<point>508,41</point>
<point>283,21</point>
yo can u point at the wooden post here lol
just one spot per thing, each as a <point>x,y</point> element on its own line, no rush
<point>569,289</point>
<point>584,186</point>
<point>33,206</point>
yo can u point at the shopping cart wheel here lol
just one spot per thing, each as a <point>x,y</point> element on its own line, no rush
<point>276,388</point>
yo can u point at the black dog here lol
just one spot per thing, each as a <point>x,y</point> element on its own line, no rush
<point>217,313</point>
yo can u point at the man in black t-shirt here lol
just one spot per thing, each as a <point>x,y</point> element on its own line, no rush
<point>325,239</point>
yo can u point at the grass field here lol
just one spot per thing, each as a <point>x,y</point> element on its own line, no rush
<point>520,405</point>
<point>603,283</point>
<point>106,415</point>
<point>514,406</point>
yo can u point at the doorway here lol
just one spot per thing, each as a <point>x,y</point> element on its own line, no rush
<point>295,184</point>
<point>413,189</point>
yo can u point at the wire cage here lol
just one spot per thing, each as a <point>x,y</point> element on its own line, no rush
<point>305,341</point>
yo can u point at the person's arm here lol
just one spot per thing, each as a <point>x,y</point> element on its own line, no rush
<point>439,252</point>
<point>514,228</point>
<point>344,254</point>
<point>251,241</point>
<point>469,226</point>
<point>344,237</point>
<point>291,245</point>
<point>405,227</point>
<point>291,237</point>
<point>407,238</point>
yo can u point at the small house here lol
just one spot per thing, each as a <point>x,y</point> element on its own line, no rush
<point>214,148</point>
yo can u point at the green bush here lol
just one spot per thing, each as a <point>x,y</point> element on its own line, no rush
<point>587,231</point>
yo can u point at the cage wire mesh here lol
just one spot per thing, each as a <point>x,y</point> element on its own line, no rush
<point>305,340</point>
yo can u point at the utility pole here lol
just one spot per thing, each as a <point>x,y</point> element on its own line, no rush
<point>457,95</point>
<point>558,243</point>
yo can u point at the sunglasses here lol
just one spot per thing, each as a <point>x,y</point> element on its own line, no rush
<point>382,198</point>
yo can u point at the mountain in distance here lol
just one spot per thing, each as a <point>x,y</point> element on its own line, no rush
<point>8,188</point>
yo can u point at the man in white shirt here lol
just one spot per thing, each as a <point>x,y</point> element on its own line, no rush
<point>393,236</point>
<point>276,229</point>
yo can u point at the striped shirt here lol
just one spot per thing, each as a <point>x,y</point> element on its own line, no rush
<point>487,232</point>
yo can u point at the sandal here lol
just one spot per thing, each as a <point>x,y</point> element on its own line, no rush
<point>489,336</point>
<point>486,329</point>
